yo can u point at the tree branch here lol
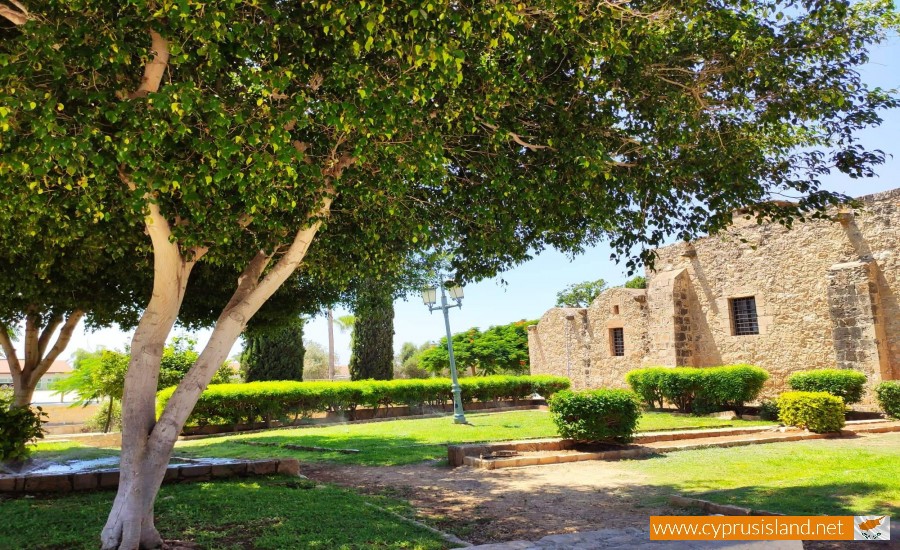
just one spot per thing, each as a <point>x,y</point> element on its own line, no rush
<point>65,336</point>
<point>513,136</point>
<point>154,70</point>
<point>47,333</point>
<point>17,15</point>
<point>15,368</point>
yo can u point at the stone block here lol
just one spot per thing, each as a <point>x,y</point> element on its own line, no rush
<point>87,481</point>
<point>262,467</point>
<point>48,484</point>
<point>7,484</point>
<point>229,470</point>
<point>455,455</point>
<point>171,474</point>
<point>195,472</point>
<point>109,479</point>
<point>289,467</point>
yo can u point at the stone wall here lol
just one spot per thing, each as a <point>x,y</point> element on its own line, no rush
<point>826,295</point>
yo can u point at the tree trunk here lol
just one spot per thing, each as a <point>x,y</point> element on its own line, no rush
<point>330,344</point>
<point>37,361</point>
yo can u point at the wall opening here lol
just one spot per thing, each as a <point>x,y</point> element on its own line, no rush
<point>615,310</point>
<point>617,341</point>
<point>744,320</point>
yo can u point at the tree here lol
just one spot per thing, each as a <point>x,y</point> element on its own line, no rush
<point>638,281</point>
<point>274,352</point>
<point>407,364</point>
<point>373,333</point>
<point>97,376</point>
<point>580,294</point>
<point>332,138</point>
<point>315,361</point>
<point>500,349</point>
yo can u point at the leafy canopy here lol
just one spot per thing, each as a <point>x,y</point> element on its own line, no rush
<point>494,129</point>
<point>580,294</point>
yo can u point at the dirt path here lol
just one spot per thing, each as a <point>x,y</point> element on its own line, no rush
<point>483,506</point>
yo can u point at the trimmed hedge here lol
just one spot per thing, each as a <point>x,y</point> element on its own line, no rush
<point>288,400</point>
<point>596,415</point>
<point>849,385</point>
<point>699,390</point>
<point>888,394</point>
<point>818,412</point>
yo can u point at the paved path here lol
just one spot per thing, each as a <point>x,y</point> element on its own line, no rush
<point>632,538</point>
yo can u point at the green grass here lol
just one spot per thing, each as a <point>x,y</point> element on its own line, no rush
<point>262,513</point>
<point>408,441</point>
<point>826,476</point>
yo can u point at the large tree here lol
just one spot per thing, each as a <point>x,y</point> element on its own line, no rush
<point>333,137</point>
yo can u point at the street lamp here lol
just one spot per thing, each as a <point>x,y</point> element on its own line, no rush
<point>429,297</point>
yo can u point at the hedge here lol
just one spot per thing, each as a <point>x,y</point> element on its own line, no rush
<point>288,400</point>
<point>888,394</point>
<point>818,412</point>
<point>849,385</point>
<point>596,415</point>
<point>699,390</point>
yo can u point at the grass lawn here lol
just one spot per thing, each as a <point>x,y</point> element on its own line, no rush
<point>407,441</point>
<point>275,512</point>
<point>855,476</point>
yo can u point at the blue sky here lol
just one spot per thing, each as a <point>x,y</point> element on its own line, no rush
<point>531,288</point>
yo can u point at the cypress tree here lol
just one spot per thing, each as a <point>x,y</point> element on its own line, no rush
<point>373,333</point>
<point>274,352</point>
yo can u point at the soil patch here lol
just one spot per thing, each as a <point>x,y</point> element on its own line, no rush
<point>482,506</point>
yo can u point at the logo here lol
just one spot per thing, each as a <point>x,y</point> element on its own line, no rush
<point>871,528</point>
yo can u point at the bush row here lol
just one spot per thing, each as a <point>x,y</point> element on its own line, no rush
<point>268,401</point>
<point>596,415</point>
<point>698,390</point>
<point>849,385</point>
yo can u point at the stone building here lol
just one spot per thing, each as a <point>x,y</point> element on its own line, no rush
<point>823,294</point>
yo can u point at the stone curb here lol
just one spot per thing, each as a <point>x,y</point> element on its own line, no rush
<point>714,508</point>
<point>470,455</point>
<point>109,479</point>
<point>449,537</point>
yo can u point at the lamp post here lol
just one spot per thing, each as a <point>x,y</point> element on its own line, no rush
<point>429,297</point>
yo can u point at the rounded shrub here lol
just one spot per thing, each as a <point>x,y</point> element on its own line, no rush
<point>19,426</point>
<point>819,412</point>
<point>729,388</point>
<point>849,385</point>
<point>680,386</point>
<point>647,384</point>
<point>888,395</point>
<point>596,415</point>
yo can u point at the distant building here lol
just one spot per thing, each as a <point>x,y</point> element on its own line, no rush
<point>59,369</point>
<point>825,294</point>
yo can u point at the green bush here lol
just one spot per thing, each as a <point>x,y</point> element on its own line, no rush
<point>729,388</point>
<point>819,412</point>
<point>19,426</point>
<point>849,385</point>
<point>699,390</point>
<point>289,400</point>
<point>768,410</point>
<point>888,394</point>
<point>596,415</point>
<point>647,384</point>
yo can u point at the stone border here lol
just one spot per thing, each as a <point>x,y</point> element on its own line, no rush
<point>714,508</point>
<point>449,537</point>
<point>471,455</point>
<point>109,479</point>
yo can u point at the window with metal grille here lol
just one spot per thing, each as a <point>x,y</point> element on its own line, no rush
<point>617,341</point>
<point>743,316</point>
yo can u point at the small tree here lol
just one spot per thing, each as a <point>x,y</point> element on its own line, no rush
<point>638,281</point>
<point>580,294</point>
<point>274,352</point>
<point>315,361</point>
<point>373,333</point>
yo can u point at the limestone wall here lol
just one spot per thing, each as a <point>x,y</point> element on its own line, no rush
<point>559,345</point>
<point>827,294</point>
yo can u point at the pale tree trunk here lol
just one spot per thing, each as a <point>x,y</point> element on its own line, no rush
<point>330,344</point>
<point>37,360</point>
<point>147,444</point>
